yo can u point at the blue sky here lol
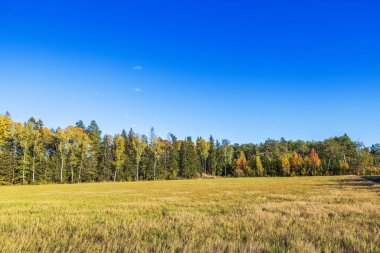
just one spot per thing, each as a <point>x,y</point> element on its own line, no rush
<point>242,70</point>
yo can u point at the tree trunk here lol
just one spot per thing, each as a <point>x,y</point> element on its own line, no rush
<point>33,168</point>
<point>154,169</point>
<point>79,174</point>
<point>45,170</point>
<point>72,175</point>
<point>328,166</point>
<point>13,176</point>
<point>114,177</point>
<point>225,170</point>
<point>62,169</point>
<point>23,168</point>
<point>14,164</point>
<point>137,171</point>
<point>80,171</point>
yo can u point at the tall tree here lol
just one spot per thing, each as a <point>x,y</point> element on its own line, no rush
<point>227,155</point>
<point>285,165</point>
<point>313,161</point>
<point>104,170</point>
<point>241,164</point>
<point>295,164</point>
<point>259,166</point>
<point>94,134</point>
<point>84,151</point>
<point>62,148</point>
<point>5,129</point>
<point>37,149</point>
<point>174,151</point>
<point>75,149</point>
<point>203,149</point>
<point>212,157</point>
<point>25,136</point>
<point>119,160</point>
<point>139,145</point>
<point>188,164</point>
<point>7,150</point>
<point>130,154</point>
<point>157,149</point>
<point>44,150</point>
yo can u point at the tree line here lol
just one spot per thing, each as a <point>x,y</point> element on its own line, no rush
<point>31,153</point>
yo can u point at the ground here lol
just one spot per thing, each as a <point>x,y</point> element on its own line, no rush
<point>308,214</point>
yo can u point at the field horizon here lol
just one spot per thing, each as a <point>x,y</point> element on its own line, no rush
<point>204,177</point>
<point>288,214</point>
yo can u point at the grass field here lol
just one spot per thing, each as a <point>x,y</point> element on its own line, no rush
<point>309,214</point>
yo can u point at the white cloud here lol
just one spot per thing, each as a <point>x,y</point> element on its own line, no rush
<point>138,67</point>
<point>127,115</point>
<point>133,125</point>
<point>137,90</point>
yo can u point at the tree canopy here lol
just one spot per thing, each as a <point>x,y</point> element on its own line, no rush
<point>32,153</point>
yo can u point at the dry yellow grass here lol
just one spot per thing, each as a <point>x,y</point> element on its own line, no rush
<point>310,214</point>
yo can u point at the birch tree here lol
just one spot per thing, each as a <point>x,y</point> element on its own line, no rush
<point>139,146</point>
<point>119,153</point>
<point>62,149</point>
<point>24,135</point>
<point>203,148</point>
<point>77,149</point>
<point>227,155</point>
<point>157,149</point>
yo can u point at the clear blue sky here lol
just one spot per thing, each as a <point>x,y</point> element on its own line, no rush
<point>242,70</point>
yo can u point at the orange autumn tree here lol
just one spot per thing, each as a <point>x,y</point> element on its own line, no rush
<point>314,162</point>
<point>241,164</point>
<point>295,164</point>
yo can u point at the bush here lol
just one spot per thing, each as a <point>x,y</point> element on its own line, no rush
<point>239,173</point>
<point>372,171</point>
<point>4,182</point>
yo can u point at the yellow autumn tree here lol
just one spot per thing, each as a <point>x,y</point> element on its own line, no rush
<point>285,165</point>
<point>259,166</point>
<point>77,149</point>
<point>5,129</point>
<point>344,166</point>
<point>119,158</point>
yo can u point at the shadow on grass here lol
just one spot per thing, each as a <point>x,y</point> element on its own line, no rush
<point>359,183</point>
<point>375,179</point>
